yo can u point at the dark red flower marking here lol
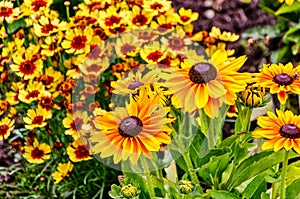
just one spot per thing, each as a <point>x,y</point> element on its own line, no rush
<point>81,152</point>
<point>36,153</point>
<point>79,42</point>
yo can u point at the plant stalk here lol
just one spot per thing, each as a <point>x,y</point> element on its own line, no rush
<point>148,177</point>
<point>283,174</point>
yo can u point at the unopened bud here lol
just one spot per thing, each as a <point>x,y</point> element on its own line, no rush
<point>185,186</point>
<point>129,191</point>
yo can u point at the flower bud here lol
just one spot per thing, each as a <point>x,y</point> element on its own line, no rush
<point>129,191</point>
<point>253,96</point>
<point>185,186</point>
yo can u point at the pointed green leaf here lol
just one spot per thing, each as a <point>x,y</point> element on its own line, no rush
<point>220,194</point>
<point>293,191</point>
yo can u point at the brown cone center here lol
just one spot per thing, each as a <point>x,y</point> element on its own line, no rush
<point>202,73</point>
<point>290,131</point>
<point>130,126</point>
<point>283,79</point>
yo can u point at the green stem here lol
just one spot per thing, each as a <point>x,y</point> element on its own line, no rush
<point>68,13</point>
<point>282,107</point>
<point>148,177</point>
<point>246,125</point>
<point>283,174</point>
<point>192,174</point>
<point>274,185</point>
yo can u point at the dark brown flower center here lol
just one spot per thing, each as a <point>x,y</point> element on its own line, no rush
<point>283,79</point>
<point>290,131</point>
<point>130,126</point>
<point>37,120</point>
<point>134,85</point>
<point>112,20</point>
<point>78,42</point>
<point>139,20</point>
<point>3,129</point>
<point>27,68</point>
<point>81,152</point>
<point>36,153</point>
<point>32,94</point>
<point>47,28</point>
<point>202,73</point>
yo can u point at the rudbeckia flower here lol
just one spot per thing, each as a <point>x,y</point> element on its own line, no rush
<point>282,131</point>
<point>37,153</point>
<point>63,170</point>
<point>153,53</point>
<point>76,123</point>
<point>36,118</point>
<point>33,92</point>
<point>126,133</point>
<point>8,13</point>
<point>281,79</point>
<point>186,17</point>
<point>207,84</point>
<point>77,41</point>
<point>28,66</point>
<point>6,126</point>
<point>78,151</point>
<point>224,36</point>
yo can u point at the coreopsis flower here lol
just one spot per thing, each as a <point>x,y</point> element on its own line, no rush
<point>281,79</point>
<point>8,12</point>
<point>288,2</point>
<point>12,96</point>
<point>224,36</point>
<point>50,45</point>
<point>281,131</point>
<point>6,126</point>
<point>76,124</point>
<point>77,40</point>
<point>157,6</point>
<point>36,118</point>
<point>36,6</point>
<point>47,26</point>
<point>176,42</point>
<point>93,5</point>
<point>50,79</point>
<point>140,18</point>
<point>27,66</point>
<point>63,170</point>
<point>126,45</point>
<point>164,23</point>
<point>112,18</point>
<point>133,81</point>
<point>78,151</point>
<point>253,96</point>
<point>126,133</point>
<point>37,153</point>
<point>4,106</point>
<point>207,84</point>
<point>186,17</point>
<point>33,92</point>
<point>153,53</point>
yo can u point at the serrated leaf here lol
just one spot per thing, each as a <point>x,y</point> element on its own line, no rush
<point>293,191</point>
<point>220,194</point>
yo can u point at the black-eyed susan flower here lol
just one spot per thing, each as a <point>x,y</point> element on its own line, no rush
<point>76,124</point>
<point>77,41</point>
<point>36,118</point>
<point>153,53</point>
<point>253,96</point>
<point>27,66</point>
<point>48,26</point>
<point>33,92</point>
<point>37,153</point>
<point>224,36</point>
<point>8,12</point>
<point>63,170</point>
<point>126,133</point>
<point>186,17</point>
<point>288,2</point>
<point>140,18</point>
<point>207,84</point>
<point>157,6</point>
<point>78,151</point>
<point>281,79</point>
<point>6,126</point>
<point>281,131</point>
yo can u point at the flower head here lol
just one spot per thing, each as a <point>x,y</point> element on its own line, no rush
<point>6,126</point>
<point>76,123</point>
<point>186,17</point>
<point>37,153</point>
<point>282,131</point>
<point>78,151</point>
<point>36,118</point>
<point>288,2</point>
<point>7,12</point>
<point>63,171</point>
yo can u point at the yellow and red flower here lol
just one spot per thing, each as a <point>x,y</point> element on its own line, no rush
<point>281,79</point>
<point>140,18</point>
<point>37,153</point>
<point>153,53</point>
<point>78,151</point>
<point>76,124</point>
<point>36,118</point>
<point>186,17</point>
<point>48,26</point>
<point>157,6</point>
<point>282,131</point>
<point>126,133</point>
<point>33,92</point>
<point>6,126</point>
<point>8,12</point>
<point>63,170</point>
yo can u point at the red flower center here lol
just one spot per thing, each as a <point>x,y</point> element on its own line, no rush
<point>37,120</point>
<point>156,6</point>
<point>184,18</point>
<point>77,124</point>
<point>37,4</point>
<point>139,20</point>
<point>155,56</point>
<point>36,153</point>
<point>27,67</point>
<point>130,126</point>
<point>46,79</point>
<point>94,68</point>
<point>78,42</point>
<point>81,152</point>
<point>202,73</point>
<point>127,48</point>
<point>290,131</point>
<point>112,20</point>
<point>47,28</point>
<point>176,43</point>
<point>134,85</point>
<point>5,11</point>
<point>283,79</point>
<point>3,129</point>
<point>32,94</point>
<point>95,53</point>
<point>47,102</point>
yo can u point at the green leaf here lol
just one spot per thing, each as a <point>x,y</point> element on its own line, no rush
<point>16,25</point>
<point>293,172</point>
<point>115,191</point>
<point>293,190</point>
<point>260,32</point>
<point>255,187</point>
<point>288,9</point>
<point>220,194</point>
<point>256,164</point>
<point>280,55</point>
